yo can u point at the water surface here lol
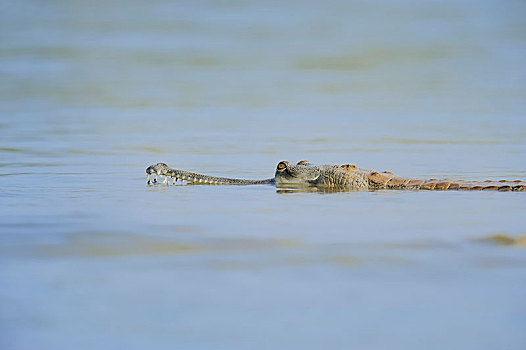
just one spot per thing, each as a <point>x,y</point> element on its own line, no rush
<point>91,93</point>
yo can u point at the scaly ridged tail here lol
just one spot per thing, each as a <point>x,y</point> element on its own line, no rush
<point>388,180</point>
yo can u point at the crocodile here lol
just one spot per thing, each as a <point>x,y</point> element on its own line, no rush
<point>346,177</point>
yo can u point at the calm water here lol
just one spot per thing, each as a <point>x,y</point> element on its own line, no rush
<point>92,92</point>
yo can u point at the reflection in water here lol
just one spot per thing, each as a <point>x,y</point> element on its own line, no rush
<point>303,188</point>
<point>288,188</point>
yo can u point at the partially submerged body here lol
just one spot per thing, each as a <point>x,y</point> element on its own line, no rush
<point>347,177</point>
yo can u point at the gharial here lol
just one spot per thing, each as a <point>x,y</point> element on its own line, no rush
<point>347,177</point>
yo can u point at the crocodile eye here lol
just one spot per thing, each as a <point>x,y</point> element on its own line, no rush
<point>282,166</point>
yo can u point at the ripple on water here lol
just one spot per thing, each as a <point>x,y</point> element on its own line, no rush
<point>503,239</point>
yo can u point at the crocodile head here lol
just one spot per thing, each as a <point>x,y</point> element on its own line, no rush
<point>302,173</point>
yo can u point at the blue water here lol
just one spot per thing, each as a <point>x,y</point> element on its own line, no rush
<point>91,93</point>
